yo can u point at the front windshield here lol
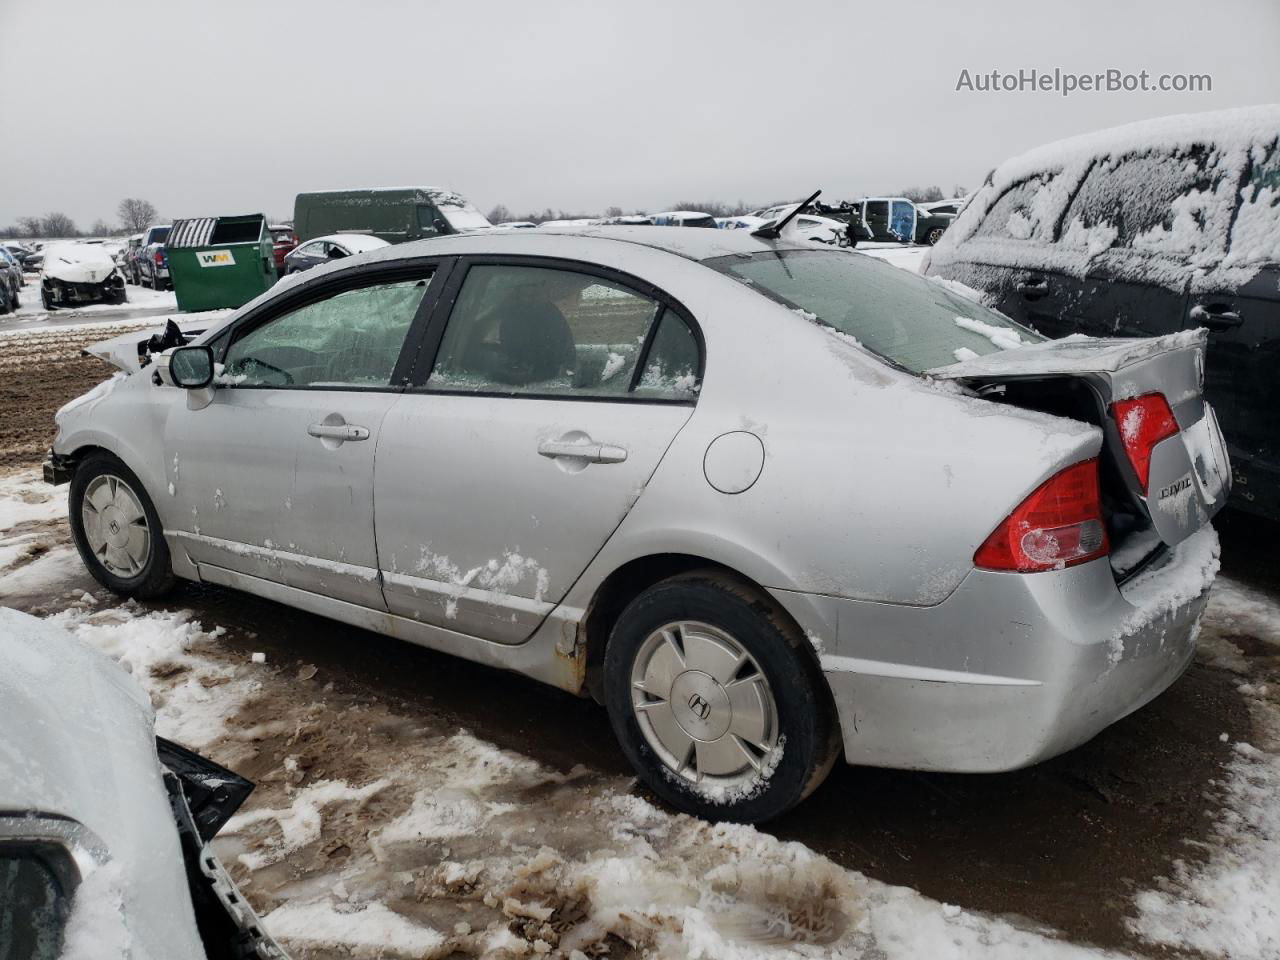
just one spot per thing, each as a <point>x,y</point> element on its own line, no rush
<point>913,322</point>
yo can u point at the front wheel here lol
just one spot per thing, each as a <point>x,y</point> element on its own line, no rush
<point>116,529</point>
<point>717,699</point>
<point>933,236</point>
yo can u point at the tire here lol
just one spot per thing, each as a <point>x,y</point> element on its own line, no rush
<point>44,299</point>
<point>6,302</point>
<point>934,235</point>
<point>779,701</point>
<point>119,559</point>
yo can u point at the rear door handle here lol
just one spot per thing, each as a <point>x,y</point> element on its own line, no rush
<point>1217,316</point>
<point>579,450</point>
<point>1034,287</point>
<point>338,431</point>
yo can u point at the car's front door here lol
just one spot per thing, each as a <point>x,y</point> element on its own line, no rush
<point>877,219</point>
<point>902,220</point>
<point>549,401</point>
<point>274,477</point>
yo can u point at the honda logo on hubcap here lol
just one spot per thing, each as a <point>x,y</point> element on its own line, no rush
<point>699,706</point>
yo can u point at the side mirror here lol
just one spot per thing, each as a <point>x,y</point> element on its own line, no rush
<point>190,367</point>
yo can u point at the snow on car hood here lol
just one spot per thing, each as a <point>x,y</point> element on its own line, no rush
<point>77,263</point>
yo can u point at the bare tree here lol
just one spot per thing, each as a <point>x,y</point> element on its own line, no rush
<point>959,191</point>
<point>499,213</point>
<point>101,228</point>
<point>58,225</point>
<point>30,226</point>
<point>135,214</point>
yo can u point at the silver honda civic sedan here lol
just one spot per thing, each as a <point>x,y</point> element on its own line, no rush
<point>770,502</point>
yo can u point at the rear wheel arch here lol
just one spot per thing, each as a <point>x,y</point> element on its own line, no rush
<point>628,581</point>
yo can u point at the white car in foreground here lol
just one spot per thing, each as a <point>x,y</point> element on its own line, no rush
<point>104,828</point>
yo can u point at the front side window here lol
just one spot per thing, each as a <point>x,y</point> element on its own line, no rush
<point>912,322</point>
<point>351,339</point>
<point>427,217</point>
<point>550,332</point>
<point>1024,211</point>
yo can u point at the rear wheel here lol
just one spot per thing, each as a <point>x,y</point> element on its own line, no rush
<point>116,530</point>
<point>717,700</point>
<point>933,236</point>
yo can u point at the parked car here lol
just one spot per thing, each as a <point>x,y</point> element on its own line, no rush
<point>684,218</point>
<point>610,458</point>
<point>152,260</point>
<point>129,258</point>
<point>78,273</point>
<point>393,215</point>
<point>283,241</point>
<point>746,221</point>
<point>9,285</point>
<point>13,268</point>
<point>951,207</point>
<point>899,220</point>
<point>104,828</point>
<point>18,252</point>
<point>1145,230</point>
<point>515,225</point>
<point>327,249</point>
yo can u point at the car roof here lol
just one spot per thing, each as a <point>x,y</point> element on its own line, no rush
<point>691,244</point>
<point>352,241</point>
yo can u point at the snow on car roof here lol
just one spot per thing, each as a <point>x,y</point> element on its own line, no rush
<point>1238,125</point>
<point>77,253</point>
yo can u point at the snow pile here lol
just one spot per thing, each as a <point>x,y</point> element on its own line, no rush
<point>26,498</point>
<point>1006,338</point>
<point>300,822</point>
<point>193,694</point>
<point>1229,905</point>
<point>370,930</point>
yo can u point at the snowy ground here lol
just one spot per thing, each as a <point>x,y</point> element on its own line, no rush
<point>383,828</point>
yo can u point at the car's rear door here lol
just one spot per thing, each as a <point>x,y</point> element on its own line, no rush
<point>543,402</point>
<point>273,479</point>
<point>1239,304</point>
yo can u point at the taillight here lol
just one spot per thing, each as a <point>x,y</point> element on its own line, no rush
<point>1058,525</point>
<point>159,257</point>
<point>1143,421</point>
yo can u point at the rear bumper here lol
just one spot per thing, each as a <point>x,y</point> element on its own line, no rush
<point>1011,669</point>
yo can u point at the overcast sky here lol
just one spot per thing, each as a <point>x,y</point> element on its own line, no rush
<point>234,106</point>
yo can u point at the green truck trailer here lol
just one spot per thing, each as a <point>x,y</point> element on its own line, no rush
<point>395,214</point>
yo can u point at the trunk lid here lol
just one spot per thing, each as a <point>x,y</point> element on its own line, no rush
<point>1082,378</point>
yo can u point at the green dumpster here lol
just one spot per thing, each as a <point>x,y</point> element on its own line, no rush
<point>219,261</point>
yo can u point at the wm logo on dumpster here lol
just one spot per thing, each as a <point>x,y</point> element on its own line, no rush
<point>215,258</point>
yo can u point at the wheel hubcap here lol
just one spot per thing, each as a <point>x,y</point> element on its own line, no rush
<point>704,705</point>
<point>115,526</point>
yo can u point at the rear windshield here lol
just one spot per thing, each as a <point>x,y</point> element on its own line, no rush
<point>159,234</point>
<point>699,222</point>
<point>915,323</point>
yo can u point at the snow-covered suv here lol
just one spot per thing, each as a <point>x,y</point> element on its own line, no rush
<point>1145,230</point>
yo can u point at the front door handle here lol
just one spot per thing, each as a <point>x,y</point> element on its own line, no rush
<point>586,451</point>
<point>338,431</point>
<point>1035,288</point>
<point>1217,316</point>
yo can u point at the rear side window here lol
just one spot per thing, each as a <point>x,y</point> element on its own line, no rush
<point>1024,211</point>
<point>1166,203</point>
<point>552,332</point>
<point>1255,237</point>
<point>915,323</point>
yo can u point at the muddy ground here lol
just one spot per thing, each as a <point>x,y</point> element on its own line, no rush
<point>1063,845</point>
